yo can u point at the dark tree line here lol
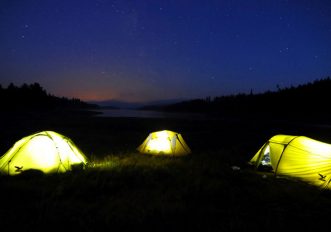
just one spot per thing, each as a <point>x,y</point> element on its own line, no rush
<point>34,97</point>
<point>306,100</point>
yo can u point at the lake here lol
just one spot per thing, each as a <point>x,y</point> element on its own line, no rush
<point>131,113</point>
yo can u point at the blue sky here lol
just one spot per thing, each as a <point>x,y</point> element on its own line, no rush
<point>150,50</point>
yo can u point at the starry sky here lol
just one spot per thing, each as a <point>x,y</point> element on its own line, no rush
<point>146,50</point>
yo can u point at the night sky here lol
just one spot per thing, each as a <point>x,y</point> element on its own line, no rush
<point>151,50</point>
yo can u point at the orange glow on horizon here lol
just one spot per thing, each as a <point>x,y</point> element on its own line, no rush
<point>99,96</point>
<point>87,95</point>
<point>124,90</point>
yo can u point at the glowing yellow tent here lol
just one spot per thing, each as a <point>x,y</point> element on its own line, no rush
<point>296,156</point>
<point>46,151</point>
<point>164,143</point>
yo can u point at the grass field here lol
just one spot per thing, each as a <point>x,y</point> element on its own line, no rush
<point>123,190</point>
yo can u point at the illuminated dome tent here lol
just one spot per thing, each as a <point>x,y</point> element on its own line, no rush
<point>46,151</point>
<point>297,156</point>
<point>164,143</point>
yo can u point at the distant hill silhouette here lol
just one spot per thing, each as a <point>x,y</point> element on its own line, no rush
<point>309,99</point>
<point>34,97</point>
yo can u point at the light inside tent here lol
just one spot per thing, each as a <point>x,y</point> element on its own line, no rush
<point>266,161</point>
<point>160,142</point>
<point>46,151</point>
<point>39,152</point>
<point>164,142</point>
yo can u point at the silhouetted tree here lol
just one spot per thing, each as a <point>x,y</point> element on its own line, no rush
<point>311,99</point>
<point>34,97</point>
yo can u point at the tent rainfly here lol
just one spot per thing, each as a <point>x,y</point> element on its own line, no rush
<point>296,156</point>
<point>46,151</point>
<point>164,143</point>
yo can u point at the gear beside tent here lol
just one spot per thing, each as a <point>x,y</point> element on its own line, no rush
<point>45,151</point>
<point>296,156</point>
<point>164,143</point>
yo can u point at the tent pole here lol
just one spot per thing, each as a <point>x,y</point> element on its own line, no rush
<point>8,166</point>
<point>281,155</point>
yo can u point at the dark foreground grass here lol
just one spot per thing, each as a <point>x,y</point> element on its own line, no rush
<point>122,190</point>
